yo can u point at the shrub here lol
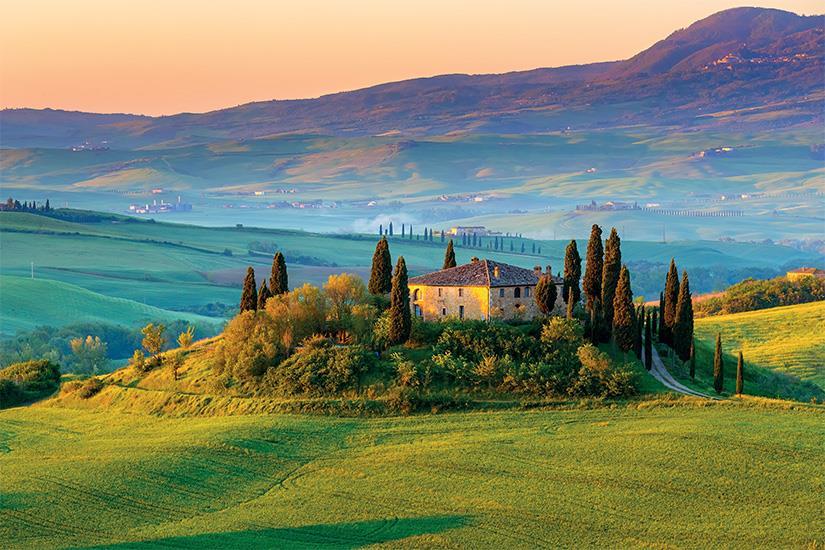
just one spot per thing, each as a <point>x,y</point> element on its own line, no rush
<point>320,368</point>
<point>10,393</point>
<point>90,388</point>
<point>41,376</point>
<point>138,362</point>
<point>252,343</point>
<point>597,377</point>
<point>474,340</point>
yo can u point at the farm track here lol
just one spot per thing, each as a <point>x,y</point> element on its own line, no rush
<point>661,374</point>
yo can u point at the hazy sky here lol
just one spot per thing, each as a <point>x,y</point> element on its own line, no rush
<point>168,56</point>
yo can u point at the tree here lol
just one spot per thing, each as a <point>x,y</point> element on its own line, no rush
<point>153,338</point>
<point>718,366</point>
<point>89,354</point>
<point>380,229</point>
<point>263,295</point>
<point>571,306</point>
<point>545,294</point>
<point>449,256</point>
<point>648,343</point>
<point>671,298</point>
<point>611,267</point>
<point>185,338</point>
<point>572,272</point>
<point>638,340</point>
<point>592,284</point>
<point>692,360</point>
<point>344,291</point>
<point>683,327</point>
<point>249,296</point>
<point>624,323</point>
<point>278,277</point>
<point>740,380</point>
<point>655,321</point>
<point>390,229</point>
<point>381,274</point>
<point>403,233</point>
<point>400,316</point>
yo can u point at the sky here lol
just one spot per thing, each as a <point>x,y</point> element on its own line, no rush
<point>168,56</point>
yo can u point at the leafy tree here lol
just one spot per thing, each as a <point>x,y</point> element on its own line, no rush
<point>671,298</point>
<point>263,295</point>
<point>740,375</point>
<point>718,366</point>
<point>400,316</point>
<point>344,291</point>
<point>89,354</point>
<point>592,284</point>
<point>185,338</point>
<point>278,277</point>
<point>545,294</point>
<point>153,338</point>
<point>449,256</point>
<point>252,343</point>
<point>624,323</point>
<point>249,295</point>
<point>683,327</point>
<point>611,267</point>
<point>648,343</point>
<point>572,272</point>
<point>381,274</point>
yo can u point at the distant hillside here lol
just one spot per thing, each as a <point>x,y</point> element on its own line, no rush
<point>734,59</point>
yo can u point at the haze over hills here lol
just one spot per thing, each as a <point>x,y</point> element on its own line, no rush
<point>735,59</point>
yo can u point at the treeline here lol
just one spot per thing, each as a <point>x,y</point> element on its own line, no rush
<point>752,294</point>
<point>502,243</point>
<point>14,205</point>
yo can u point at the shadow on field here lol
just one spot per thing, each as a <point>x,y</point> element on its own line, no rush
<point>334,535</point>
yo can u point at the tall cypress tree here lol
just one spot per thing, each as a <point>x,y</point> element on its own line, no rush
<point>278,278</point>
<point>624,323</point>
<point>683,328</point>
<point>592,284</point>
<point>648,343</point>
<point>661,324</point>
<point>249,295</point>
<point>692,360</point>
<point>411,231</point>
<point>671,298</point>
<point>571,306</point>
<point>740,375</point>
<point>572,272</point>
<point>263,295</point>
<point>654,321</point>
<point>612,265</point>
<point>638,342</point>
<point>546,294</point>
<point>390,229</point>
<point>449,256</point>
<point>381,274</point>
<point>400,316</point>
<point>403,231</point>
<point>718,366</point>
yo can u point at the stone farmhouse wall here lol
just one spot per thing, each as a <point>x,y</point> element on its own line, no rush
<point>479,302</point>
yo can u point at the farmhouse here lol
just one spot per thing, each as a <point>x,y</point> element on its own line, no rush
<point>805,272</point>
<point>481,289</point>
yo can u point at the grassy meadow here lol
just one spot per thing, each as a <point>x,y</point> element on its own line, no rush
<point>691,476</point>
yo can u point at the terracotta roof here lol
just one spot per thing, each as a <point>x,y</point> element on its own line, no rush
<point>480,273</point>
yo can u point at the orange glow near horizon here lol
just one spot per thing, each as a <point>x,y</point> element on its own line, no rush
<point>163,57</point>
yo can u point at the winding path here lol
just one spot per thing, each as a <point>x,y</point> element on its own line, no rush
<point>661,374</point>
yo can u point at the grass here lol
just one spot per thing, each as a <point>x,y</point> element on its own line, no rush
<point>29,303</point>
<point>789,339</point>
<point>720,475</point>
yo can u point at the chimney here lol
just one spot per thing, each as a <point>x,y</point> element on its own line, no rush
<point>496,272</point>
<point>537,270</point>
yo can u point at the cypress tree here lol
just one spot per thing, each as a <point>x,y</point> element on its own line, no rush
<point>249,296</point>
<point>263,295</point>
<point>511,246</point>
<point>278,278</point>
<point>683,328</point>
<point>692,360</point>
<point>671,298</point>
<point>539,251</point>
<point>400,317</point>
<point>624,327</point>
<point>718,366</point>
<point>571,306</point>
<point>381,274</point>
<point>661,325</point>
<point>648,344</point>
<point>463,239</point>
<point>431,234</point>
<point>592,284</point>
<point>47,205</point>
<point>522,247</point>
<point>545,294</point>
<point>654,321</point>
<point>740,380</point>
<point>640,323</point>
<point>390,229</point>
<point>449,256</point>
<point>380,229</point>
<point>572,272</point>
<point>612,265</point>
<point>403,234</point>
<point>442,236</point>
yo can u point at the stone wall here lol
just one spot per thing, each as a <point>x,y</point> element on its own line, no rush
<point>480,302</point>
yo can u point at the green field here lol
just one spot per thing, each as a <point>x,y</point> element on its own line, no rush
<point>789,339</point>
<point>29,303</point>
<point>683,476</point>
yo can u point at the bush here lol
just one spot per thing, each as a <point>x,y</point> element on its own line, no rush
<point>89,388</point>
<point>597,377</point>
<point>252,343</point>
<point>320,368</point>
<point>27,381</point>
<point>139,363</point>
<point>474,340</point>
<point>10,393</point>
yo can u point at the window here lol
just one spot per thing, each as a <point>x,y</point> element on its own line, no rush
<point>517,293</point>
<point>527,292</point>
<point>416,294</point>
<point>460,292</point>
<point>461,312</point>
<point>501,293</point>
<point>443,311</point>
<point>439,293</point>
<point>418,312</point>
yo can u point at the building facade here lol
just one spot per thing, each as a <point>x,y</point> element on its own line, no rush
<point>481,289</point>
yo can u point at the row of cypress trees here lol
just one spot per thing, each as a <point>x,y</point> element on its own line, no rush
<point>383,281</point>
<point>253,298</point>
<point>676,313</point>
